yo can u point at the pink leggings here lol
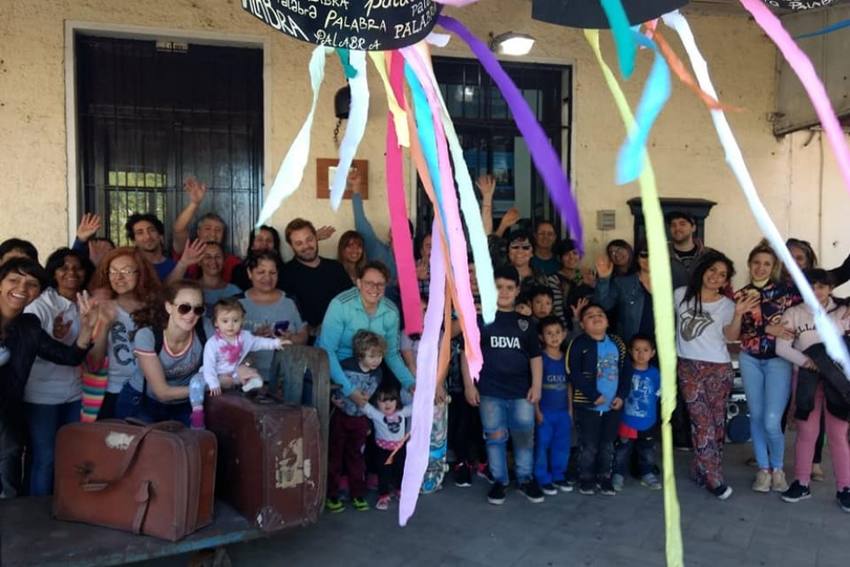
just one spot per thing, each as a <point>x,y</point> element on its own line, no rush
<point>839,448</point>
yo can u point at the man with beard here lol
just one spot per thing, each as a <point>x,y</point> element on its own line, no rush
<point>308,278</point>
<point>685,250</point>
<point>147,233</point>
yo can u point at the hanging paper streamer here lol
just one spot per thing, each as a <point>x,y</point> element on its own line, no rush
<point>828,29</point>
<point>802,66</point>
<point>826,328</point>
<point>291,170</point>
<point>398,113</point>
<point>356,127</point>
<point>655,95</point>
<point>624,39</point>
<point>542,153</point>
<point>471,212</point>
<point>662,308</point>
<point>345,61</point>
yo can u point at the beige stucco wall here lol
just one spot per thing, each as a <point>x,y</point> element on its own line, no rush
<point>796,176</point>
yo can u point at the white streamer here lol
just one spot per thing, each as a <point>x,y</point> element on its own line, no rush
<point>357,117</point>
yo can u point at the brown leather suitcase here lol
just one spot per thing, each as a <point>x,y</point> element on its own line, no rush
<point>269,459</point>
<point>157,480</point>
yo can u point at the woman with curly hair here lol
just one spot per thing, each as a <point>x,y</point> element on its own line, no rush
<point>126,278</point>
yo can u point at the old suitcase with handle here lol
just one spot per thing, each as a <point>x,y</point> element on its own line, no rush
<point>269,459</point>
<point>157,480</point>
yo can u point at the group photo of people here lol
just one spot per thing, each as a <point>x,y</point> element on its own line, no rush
<point>568,395</point>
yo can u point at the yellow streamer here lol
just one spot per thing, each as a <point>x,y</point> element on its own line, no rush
<point>399,115</point>
<point>662,307</point>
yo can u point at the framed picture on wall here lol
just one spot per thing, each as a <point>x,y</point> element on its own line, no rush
<point>325,170</point>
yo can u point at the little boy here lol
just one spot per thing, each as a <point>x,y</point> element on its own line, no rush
<point>595,362</point>
<point>542,303</point>
<point>554,422</point>
<point>509,387</point>
<point>640,414</point>
<point>349,427</point>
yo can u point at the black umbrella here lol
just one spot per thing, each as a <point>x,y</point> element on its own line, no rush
<point>364,25</point>
<point>589,13</point>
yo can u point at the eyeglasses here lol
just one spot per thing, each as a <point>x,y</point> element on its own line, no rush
<point>126,272</point>
<point>521,247</point>
<point>184,309</point>
<point>378,286</point>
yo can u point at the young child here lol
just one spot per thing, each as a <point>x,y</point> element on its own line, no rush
<point>554,421</point>
<point>595,362</point>
<point>523,305</point>
<point>349,427</point>
<point>508,389</point>
<point>223,353</point>
<point>542,303</point>
<point>388,422</point>
<point>640,416</point>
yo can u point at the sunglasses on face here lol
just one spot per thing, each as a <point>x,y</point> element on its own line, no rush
<point>185,308</point>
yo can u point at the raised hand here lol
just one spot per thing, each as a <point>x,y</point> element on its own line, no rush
<point>98,249</point>
<point>580,304</point>
<point>604,266</point>
<point>324,232</point>
<point>511,217</point>
<point>195,189</point>
<point>486,183</point>
<point>352,182</point>
<point>746,303</point>
<point>588,277</point>
<point>88,227</point>
<point>193,252</point>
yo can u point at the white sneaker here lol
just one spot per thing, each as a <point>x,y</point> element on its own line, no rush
<point>254,383</point>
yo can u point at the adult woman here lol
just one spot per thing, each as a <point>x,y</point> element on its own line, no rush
<point>23,339</point>
<point>630,296</point>
<point>363,307</point>
<point>520,252</point>
<point>706,319</point>
<point>263,239</point>
<point>622,255</point>
<point>767,377</point>
<point>212,280</point>
<point>53,392</point>
<point>349,252</point>
<point>816,394</point>
<point>268,312</point>
<point>169,353</point>
<point>806,259</point>
<point>128,279</point>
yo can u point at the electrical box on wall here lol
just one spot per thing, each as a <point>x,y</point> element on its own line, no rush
<point>830,55</point>
<point>606,219</point>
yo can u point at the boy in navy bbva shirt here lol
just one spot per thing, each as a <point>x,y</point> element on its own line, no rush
<point>508,389</point>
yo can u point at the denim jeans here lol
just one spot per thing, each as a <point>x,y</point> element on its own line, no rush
<point>552,446</point>
<point>500,418</point>
<point>767,383</point>
<point>596,435</point>
<point>646,447</point>
<point>43,421</point>
<point>132,403</point>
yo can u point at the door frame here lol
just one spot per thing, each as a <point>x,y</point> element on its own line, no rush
<point>72,28</point>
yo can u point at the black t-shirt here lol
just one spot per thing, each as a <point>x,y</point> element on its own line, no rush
<point>313,288</point>
<point>508,344</point>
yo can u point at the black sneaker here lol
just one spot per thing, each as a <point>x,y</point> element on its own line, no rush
<point>606,487</point>
<point>722,492</point>
<point>796,492</point>
<point>532,491</point>
<point>463,476</point>
<point>549,489</point>
<point>587,487</point>
<point>563,485</point>
<point>497,494</point>
<point>843,498</point>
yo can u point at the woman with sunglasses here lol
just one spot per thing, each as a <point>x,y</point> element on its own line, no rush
<point>628,296</point>
<point>124,282</point>
<point>520,252</point>
<point>269,312</point>
<point>169,352</point>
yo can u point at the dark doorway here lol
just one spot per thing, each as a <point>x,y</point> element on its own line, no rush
<point>152,113</point>
<point>491,140</point>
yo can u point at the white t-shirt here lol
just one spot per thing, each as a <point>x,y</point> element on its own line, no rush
<point>699,336</point>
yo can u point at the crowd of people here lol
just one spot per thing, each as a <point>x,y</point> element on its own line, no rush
<point>569,385</point>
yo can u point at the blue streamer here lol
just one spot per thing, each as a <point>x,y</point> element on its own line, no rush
<point>828,29</point>
<point>345,61</point>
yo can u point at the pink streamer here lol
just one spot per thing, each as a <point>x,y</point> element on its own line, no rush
<point>804,69</point>
<point>454,229</point>
<point>426,383</point>
<point>402,241</point>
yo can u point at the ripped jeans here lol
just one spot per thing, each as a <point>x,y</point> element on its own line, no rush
<point>501,418</point>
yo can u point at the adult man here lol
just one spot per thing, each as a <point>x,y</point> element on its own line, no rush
<point>211,228</point>
<point>545,238</point>
<point>685,250</point>
<point>147,233</point>
<point>312,280</point>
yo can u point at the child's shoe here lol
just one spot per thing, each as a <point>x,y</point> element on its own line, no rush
<point>383,502</point>
<point>650,481</point>
<point>371,481</point>
<point>197,419</point>
<point>563,485</point>
<point>606,487</point>
<point>549,489</point>
<point>587,487</point>
<point>360,504</point>
<point>463,476</point>
<point>778,482</point>
<point>497,494</point>
<point>796,492</point>
<point>618,481</point>
<point>843,498</point>
<point>334,505</point>
<point>762,481</point>
<point>722,492</point>
<point>254,383</point>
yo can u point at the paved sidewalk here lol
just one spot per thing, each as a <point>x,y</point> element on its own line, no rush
<point>457,527</point>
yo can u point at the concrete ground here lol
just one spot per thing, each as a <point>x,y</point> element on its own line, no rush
<point>458,527</point>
